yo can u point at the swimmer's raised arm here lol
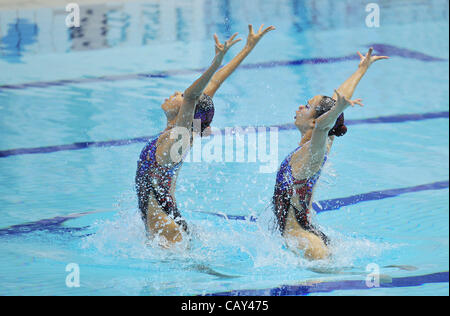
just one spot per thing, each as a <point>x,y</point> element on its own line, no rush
<point>185,115</point>
<point>191,94</point>
<point>221,75</point>
<point>348,87</point>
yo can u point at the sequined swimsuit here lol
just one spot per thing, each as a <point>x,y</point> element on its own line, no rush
<point>151,178</point>
<point>285,186</point>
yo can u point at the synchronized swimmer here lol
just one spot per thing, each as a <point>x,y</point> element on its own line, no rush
<point>318,121</point>
<point>157,170</point>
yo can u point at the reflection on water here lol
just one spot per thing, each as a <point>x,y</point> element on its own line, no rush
<point>141,23</point>
<point>19,35</point>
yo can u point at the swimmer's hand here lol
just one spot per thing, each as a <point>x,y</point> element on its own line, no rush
<point>342,102</point>
<point>222,49</point>
<point>253,38</point>
<point>366,61</point>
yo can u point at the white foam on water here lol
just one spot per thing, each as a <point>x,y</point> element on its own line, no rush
<point>225,244</point>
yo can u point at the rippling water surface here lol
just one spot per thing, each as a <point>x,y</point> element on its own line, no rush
<point>73,102</point>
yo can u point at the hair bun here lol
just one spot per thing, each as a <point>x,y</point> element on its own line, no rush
<point>339,128</point>
<point>204,111</point>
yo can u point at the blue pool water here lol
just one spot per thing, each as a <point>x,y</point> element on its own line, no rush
<point>77,106</point>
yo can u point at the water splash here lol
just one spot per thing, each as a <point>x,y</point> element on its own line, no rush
<point>222,248</point>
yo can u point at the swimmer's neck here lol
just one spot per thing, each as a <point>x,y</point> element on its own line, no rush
<point>306,137</point>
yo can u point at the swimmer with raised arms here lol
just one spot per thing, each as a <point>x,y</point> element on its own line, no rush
<point>157,170</point>
<point>319,121</point>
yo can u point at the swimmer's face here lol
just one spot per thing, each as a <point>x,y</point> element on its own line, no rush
<point>172,105</point>
<point>305,116</point>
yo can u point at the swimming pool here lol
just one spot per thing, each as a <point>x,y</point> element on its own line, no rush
<point>76,108</point>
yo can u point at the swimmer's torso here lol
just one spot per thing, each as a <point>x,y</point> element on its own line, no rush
<point>155,185</point>
<point>293,198</point>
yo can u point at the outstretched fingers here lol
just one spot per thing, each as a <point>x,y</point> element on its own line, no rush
<point>232,37</point>
<point>260,28</point>
<point>232,40</point>
<point>357,101</point>
<point>235,41</point>
<point>227,44</point>
<point>263,31</point>
<point>375,58</point>
<point>250,29</point>
<point>361,56</point>
<point>368,54</point>
<point>369,58</point>
<point>342,99</point>
<point>267,30</point>
<point>216,39</point>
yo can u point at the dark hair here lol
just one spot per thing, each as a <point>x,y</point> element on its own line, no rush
<point>339,129</point>
<point>204,110</point>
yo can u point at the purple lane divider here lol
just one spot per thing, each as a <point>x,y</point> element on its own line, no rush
<point>51,225</point>
<point>54,224</point>
<point>345,285</point>
<point>380,49</point>
<point>282,127</point>
<point>390,50</point>
<point>334,204</point>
